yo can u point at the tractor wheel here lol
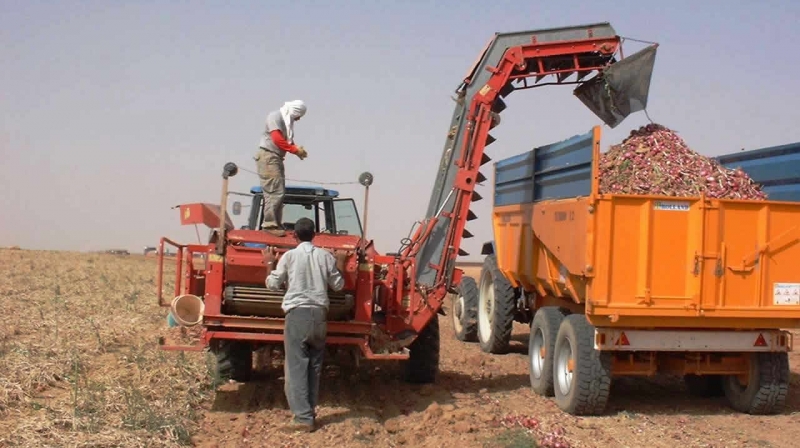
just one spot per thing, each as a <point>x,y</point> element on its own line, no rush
<point>582,375</point>
<point>465,310</point>
<point>423,362</point>
<point>765,390</point>
<point>704,385</point>
<point>541,346</point>
<point>496,308</point>
<point>234,360</point>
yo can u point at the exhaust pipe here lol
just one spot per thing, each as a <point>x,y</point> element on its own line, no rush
<point>229,170</point>
<point>365,179</point>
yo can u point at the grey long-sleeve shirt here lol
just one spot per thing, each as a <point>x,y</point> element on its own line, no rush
<point>308,271</point>
<point>274,122</point>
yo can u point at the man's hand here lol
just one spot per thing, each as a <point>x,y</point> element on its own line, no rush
<point>341,259</point>
<point>301,153</point>
<point>269,257</point>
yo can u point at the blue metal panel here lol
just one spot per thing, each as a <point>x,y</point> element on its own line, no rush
<point>556,171</point>
<point>513,180</point>
<point>564,170</point>
<point>776,168</point>
<point>789,193</point>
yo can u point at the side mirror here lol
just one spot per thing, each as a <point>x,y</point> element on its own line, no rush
<point>237,208</point>
<point>365,179</point>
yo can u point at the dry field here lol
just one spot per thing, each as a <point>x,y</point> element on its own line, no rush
<point>79,366</point>
<point>78,358</point>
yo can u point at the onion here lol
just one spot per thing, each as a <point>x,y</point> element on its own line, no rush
<point>655,160</point>
<point>552,439</point>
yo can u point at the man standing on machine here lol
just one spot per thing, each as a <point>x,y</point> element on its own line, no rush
<point>276,141</point>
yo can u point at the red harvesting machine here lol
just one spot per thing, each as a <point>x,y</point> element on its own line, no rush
<point>389,305</point>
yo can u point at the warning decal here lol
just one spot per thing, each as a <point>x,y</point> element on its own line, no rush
<point>786,293</point>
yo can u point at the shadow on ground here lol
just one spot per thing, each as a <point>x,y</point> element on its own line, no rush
<point>368,391</point>
<point>668,396</point>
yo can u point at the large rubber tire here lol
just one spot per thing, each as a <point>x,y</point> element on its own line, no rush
<point>496,308</point>
<point>465,310</point>
<point>423,362</point>
<point>541,346</point>
<point>704,385</point>
<point>234,360</point>
<point>767,387</point>
<point>582,375</point>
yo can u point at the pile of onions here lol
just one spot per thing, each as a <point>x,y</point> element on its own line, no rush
<point>654,160</point>
<point>555,438</point>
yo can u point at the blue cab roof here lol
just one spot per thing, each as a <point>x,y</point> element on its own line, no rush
<point>296,190</point>
<point>308,190</point>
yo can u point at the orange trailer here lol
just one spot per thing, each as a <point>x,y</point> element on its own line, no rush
<point>619,285</point>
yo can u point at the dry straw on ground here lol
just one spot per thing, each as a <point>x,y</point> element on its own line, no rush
<point>79,367</point>
<point>79,362</point>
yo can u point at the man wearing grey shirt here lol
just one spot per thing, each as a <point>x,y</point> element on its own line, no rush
<point>276,140</point>
<point>308,272</point>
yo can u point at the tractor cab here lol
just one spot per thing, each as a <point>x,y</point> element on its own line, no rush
<point>331,214</point>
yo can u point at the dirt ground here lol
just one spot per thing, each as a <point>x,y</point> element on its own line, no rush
<point>79,366</point>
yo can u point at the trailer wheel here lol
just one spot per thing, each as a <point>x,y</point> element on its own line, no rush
<point>496,308</point>
<point>582,375</point>
<point>541,346</point>
<point>423,361</point>
<point>234,360</point>
<point>465,310</point>
<point>704,385</point>
<point>765,390</point>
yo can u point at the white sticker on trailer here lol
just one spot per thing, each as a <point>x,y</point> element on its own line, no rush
<point>786,293</point>
<point>674,206</point>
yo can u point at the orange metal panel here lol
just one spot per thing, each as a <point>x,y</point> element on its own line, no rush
<point>678,364</point>
<point>560,228</point>
<point>698,259</point>
<point>201,213</point>
<point>512,234</point>
<point>658,262</point>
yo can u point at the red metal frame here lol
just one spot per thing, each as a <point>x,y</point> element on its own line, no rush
<point>160,270</point>
<point>389,280</point>
<point>515,60</point>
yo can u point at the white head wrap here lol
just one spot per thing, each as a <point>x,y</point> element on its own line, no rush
<point>291,111</point>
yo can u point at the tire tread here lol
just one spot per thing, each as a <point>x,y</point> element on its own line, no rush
<point>774,387</point>
<point>468,289</point>
<point>552,317</point>
<point>234,360</point>
<point>770,394</point>
<point>592,378</point>
<point>504,310</point>
<point>423,362</point>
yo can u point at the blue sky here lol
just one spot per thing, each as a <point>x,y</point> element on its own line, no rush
<point>112,112</point>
